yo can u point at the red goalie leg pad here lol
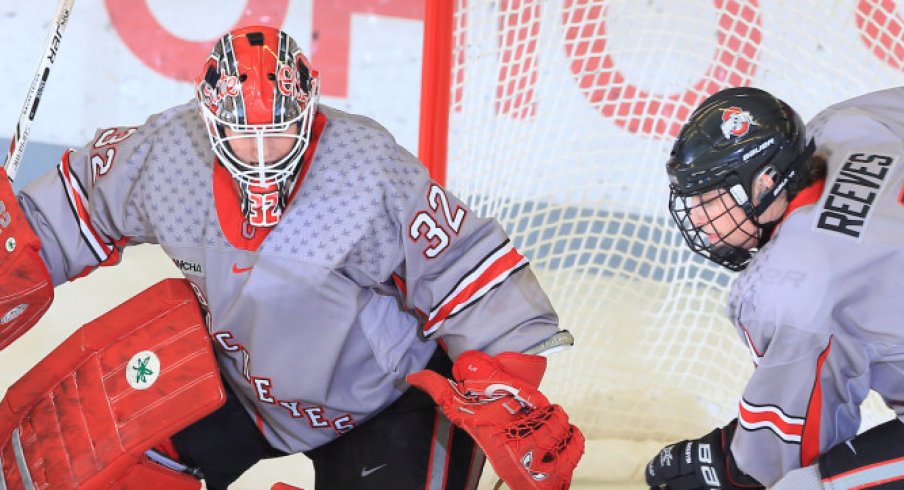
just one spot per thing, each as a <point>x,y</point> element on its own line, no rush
<point>26,290</point>
<point>529,442</point>
<point>147,475</point>
<point>84,415</point>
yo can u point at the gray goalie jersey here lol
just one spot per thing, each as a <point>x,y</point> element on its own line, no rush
<point>820,306</point>
<point>317,320</point>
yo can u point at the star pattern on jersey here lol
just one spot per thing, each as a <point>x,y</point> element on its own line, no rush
<point>177,193</point>
<point>346,213</point>
<point>342,216</point>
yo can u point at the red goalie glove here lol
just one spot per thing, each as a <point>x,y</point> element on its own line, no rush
<point>26,289</point>
<point>529,442</point>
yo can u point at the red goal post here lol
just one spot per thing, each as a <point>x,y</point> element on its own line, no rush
<point>556,116</point>
<point>436,76</point>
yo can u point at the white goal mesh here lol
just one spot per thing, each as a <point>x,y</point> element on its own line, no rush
<point>562,116</point>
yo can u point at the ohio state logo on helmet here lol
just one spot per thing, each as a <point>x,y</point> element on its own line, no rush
<point>213,92</point>
<point>736,122</point>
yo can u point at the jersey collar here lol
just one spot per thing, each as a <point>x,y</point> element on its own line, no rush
<point>226,197</point>
<point>807,196</point>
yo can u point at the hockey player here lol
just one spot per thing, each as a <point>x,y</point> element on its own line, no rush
<point>813,217</point>
<point>330,268</point>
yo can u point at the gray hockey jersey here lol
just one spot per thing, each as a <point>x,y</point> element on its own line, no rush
<point>820,306</point>
<point>318,320</point>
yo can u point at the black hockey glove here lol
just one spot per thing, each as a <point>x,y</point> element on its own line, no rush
<point>703,463</point>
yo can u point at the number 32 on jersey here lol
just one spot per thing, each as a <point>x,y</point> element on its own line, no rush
<point>108,139</point>
<point>427,224</point>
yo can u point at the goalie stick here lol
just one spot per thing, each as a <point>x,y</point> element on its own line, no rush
<point>33,98</point>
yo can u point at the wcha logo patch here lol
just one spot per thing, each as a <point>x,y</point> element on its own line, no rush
<point>736,122</point>
<point>189,268</point>
<point>142,370</point>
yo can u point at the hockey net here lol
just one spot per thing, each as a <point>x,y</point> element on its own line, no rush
<point>560,116</point>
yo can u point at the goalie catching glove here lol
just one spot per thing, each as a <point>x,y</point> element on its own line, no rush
<point>529,442</point>
<point>700,464</point>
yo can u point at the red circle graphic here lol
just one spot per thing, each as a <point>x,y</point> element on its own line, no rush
<point>881,30</point>
<point>738,35</point>
<point>171,55</point>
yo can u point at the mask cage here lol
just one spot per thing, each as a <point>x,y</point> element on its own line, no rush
<point>705,239</point>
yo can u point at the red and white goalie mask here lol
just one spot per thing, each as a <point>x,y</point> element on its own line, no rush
<point>258,95</point>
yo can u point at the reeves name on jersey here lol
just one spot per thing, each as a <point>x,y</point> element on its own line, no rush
<point>851,196</point>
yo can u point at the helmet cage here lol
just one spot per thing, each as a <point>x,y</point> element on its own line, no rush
<point>256,86</point>
<point>733,191</point>
<point>717,250</point>
<point>260,172</point>
<point>732,139</point>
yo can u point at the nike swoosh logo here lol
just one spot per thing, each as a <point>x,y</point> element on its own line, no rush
<point>366,472</point>
<point>238,270</point>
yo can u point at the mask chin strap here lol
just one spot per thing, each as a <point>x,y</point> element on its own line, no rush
<point>765,230</point>
<point>733,258</point>
<point>736,258</point>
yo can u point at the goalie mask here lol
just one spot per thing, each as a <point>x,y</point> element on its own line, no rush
<point>730,140</point>
<point>258,97</point>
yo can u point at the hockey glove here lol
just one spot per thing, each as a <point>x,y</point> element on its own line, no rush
<point>704,463</point>
<point>529,442</point>
<point>26,289</point>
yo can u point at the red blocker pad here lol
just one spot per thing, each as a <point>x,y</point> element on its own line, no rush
<point>85,414</point>
<point>26,290</point>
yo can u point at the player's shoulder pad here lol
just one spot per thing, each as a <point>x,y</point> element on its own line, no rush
<point>364,147</point>
<point>177,133</point>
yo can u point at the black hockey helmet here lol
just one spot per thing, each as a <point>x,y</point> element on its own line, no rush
<point>734,136</point>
